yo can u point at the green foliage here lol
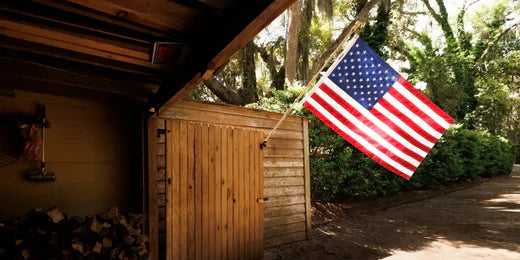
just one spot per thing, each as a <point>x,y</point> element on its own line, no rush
<point>320,36</point>
<point>280,100</point>
<point>376,34</point>
<point>340,171</point>
<point>455,65</point>
<point>425,64</point>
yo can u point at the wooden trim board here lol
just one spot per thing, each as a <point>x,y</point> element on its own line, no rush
<point>307,174</point>
<point>153,215</point>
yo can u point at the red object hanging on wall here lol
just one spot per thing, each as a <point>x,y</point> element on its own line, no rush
<point>33,145</point>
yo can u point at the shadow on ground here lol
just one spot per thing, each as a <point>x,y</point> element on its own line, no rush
<point>482,219</point>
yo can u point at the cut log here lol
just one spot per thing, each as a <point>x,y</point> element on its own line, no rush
<point>97,225</point>
<point>107,242</point>
<point>50,233</point>
<point>25,254</point>
<point>111,214</point>
<point>55,214</point>
<point>129,240</point>
<point>77,245</point>
<point>97,248</point>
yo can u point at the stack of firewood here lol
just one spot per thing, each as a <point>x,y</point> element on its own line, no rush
<point>52,235</point>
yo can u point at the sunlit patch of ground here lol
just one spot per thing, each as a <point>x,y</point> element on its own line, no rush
<point>445,249</point>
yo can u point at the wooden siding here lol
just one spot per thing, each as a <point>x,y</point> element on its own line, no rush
<point>286,171</point>
<point>88,147</point>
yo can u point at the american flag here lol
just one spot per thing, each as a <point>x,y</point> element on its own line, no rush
<point>375,109</point>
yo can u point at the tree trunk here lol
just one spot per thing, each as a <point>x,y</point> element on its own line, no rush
<point>278,82</point>
<point>295,13</point>
<point>277,74</point>
<point>248,91</point>
<point>304,40</point>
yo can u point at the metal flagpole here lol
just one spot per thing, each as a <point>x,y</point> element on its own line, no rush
<point>333,54</point>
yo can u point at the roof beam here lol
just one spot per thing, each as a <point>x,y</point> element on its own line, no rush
<point>26,75</point>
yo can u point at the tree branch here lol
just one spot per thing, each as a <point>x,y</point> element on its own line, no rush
<point>434,14</point>
<point>412,13</point>
<point>472,3</point>
<point>361,17</point>
<point>224,93</point>
<point>442,20</point>
<point>496,39</point>
<point>414,33</point>
<point>401,11</point>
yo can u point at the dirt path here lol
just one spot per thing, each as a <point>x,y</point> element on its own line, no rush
<point>473,222</point>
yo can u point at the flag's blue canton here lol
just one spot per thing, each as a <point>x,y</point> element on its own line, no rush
<point>364,75</point>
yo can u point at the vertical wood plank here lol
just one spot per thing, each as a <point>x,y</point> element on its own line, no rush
<point>236,193</point>
<point>258,205</point>
<point>231,192</point>
<point>198,191</point>
<point>191,191</point>
<point>211,190</point>
<point>172,191</point>
<point>170,140</point>
<point>252,194</point>
<point>261,195</point>
<point>205,186</point>
<point>307,175</point>
<point>247,188</point>
<point>218,192</point>
<point>175,194</point>
<point>241,165</point>
<point>153,211</point>
<point>184,191</point>
<point>223,193</point>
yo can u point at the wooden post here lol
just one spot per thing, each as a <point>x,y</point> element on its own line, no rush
<point>153,211</point>
<point>307,175</point>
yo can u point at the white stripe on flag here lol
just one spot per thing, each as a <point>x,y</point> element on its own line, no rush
<point>411,115</point>
<point>377,122</point>
<point>426,109</point>
<point>358,138</point>
<point>366,129</point>
<point>394,119</point>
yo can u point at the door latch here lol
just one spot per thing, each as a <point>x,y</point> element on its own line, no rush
<point>262,200</point>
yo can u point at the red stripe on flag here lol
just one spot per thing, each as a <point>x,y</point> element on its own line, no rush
<point>369,124</point>
<point>399,130</point>
<point>354,142</point>
<point>361,133</point>
<point>407,120</point>
<point>416,110</point>
<point>425,100</point>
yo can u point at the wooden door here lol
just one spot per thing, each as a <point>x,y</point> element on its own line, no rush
<point>214,195</point>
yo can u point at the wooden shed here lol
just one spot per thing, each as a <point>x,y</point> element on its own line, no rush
<point>112,75</point>
<point>250,190</point>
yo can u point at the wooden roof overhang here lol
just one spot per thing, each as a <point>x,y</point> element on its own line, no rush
<point>101,49</point>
